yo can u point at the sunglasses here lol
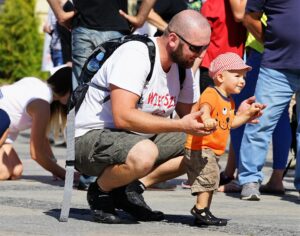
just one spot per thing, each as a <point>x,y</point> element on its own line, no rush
<point>193,48</point>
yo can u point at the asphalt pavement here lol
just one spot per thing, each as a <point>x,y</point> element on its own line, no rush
<point>31,206</point>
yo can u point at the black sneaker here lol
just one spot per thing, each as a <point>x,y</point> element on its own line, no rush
<point>204,218</point>
<point>102,206</point>
<point>224,179</point>
<point>133,202</point>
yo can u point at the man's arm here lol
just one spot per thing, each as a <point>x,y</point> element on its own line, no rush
<point>238,9</point>
<point>63,18</point>
<point>155,19</point>
<point>138,20</point>
<point>209,123</point>
<point>127,116</point>
<point>254,25</point>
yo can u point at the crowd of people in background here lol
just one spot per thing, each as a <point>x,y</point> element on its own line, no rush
<point>242,73</point>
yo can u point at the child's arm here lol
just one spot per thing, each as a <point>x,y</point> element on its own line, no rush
<point>245,116</point>
<point>209,123</point>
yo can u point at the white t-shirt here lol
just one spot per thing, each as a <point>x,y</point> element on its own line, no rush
<point>14,99</point>
<point>128,68</point>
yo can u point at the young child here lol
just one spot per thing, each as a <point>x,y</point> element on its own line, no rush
<point>202,153</point>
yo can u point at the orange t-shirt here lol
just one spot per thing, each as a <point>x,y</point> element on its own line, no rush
<point>222,109</point>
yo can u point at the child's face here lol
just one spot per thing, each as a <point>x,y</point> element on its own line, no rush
<point>234,81</point>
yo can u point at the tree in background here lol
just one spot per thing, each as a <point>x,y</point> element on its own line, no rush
<point>20,41</point>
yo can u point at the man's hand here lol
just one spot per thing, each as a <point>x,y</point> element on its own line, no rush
<point>65,18</point>
<point>135,21</point>
<point>142,15</point>
<point>191,124</point>
<point>246,104</point>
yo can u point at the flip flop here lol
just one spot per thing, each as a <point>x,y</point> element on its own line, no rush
<point>267,190</point>
<point>185,185</point>
<point>232,187</point>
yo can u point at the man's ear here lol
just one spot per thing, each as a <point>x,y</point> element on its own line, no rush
<point>173,40</point>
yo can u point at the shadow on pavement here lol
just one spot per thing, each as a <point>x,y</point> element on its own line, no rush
<point>85,215</point>
<point>233,195</point>
<point>75,213</point>
<point>290,198</point>
<point>179,219</point>
<point>43,179</point>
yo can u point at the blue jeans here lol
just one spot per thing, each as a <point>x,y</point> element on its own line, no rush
<point>283,129</point>
<point>56,57</point>
<point>274,88</point>
<point>84,41</point>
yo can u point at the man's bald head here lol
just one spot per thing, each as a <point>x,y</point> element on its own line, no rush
<point>190,23</point>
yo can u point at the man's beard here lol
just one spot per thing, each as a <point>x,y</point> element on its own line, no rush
<point>177,57</point>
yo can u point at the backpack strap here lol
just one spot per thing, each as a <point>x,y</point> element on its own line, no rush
<point>151,52</point>
<point>181,71</point>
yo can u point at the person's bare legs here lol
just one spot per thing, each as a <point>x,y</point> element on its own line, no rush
<point>168,170</point>
<point>228,173</point>
<point>275,181</point>
<point>204,200</point>
<point>10,165</point>
<point>230,165</point>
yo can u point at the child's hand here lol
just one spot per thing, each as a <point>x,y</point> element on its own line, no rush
<point>255,110</point>
<point>246,106</point>
<point>210,123</point>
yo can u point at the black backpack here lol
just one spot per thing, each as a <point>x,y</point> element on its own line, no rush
<point>97,59</point>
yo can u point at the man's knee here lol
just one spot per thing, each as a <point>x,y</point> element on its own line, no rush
<point>142,156</point>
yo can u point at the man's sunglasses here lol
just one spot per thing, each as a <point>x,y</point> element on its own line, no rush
<point>193,48</point>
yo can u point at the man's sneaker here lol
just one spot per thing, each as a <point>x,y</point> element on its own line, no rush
<point>102,206</point>
<point>132,201</point>
<point>250,191</point>
<point>204,217</point>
